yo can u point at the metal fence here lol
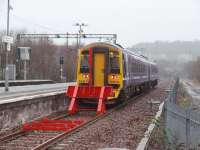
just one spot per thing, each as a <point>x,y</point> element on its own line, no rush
<point>182,125</point>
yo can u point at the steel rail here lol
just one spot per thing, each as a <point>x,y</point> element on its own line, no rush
<point>12,136</point>
<point>21,132</point>
<point>60,137</point>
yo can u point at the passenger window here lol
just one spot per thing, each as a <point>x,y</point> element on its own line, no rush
<point>124,65</point>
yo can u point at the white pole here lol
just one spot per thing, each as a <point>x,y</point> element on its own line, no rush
<point>25,71</point>
<point>61,72</point>
<point>6,47</point>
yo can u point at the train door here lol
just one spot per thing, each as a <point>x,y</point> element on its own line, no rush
<point>99,69</point>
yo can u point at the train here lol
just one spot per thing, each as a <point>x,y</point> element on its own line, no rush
<point>104,64</point>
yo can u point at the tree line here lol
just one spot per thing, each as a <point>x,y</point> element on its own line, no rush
<point>173,58</point>
<point>44,59</point>
<point>192,69</point>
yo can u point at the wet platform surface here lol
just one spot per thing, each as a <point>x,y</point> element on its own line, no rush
<point>25,82</point>
<point>32,90</point>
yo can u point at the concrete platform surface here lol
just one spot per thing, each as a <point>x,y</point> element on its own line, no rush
<point>25,82</point>
<point>32,90</point>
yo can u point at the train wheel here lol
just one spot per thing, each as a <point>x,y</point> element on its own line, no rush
<point>146,87</point>
<point>122,96</point>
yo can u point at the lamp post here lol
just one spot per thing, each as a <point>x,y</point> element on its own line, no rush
<point>61,67</point>
<point>7,46</point>
<point>80,25</point>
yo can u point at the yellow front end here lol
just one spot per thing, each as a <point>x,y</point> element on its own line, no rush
<point>106,68</point>
<point>115,78</point>
<point>83,75</point>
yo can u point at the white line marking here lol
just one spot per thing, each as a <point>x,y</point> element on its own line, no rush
<point>144,141</point>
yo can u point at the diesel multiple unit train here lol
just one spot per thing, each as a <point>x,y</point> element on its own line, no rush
<point>104,64</point>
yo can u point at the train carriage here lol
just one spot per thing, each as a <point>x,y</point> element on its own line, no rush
<point>104,64</point>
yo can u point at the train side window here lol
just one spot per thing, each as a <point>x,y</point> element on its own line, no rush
<point>124,65</point>
<point>84,65</point>
<point>143,68</point>
<point>135,66</point>
<point>129,64</point>
<point>139,67</point>
<point>132,65</point>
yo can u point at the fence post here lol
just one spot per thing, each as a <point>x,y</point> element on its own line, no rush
<point>165,111</point>
<point>177,86</point>
<point>188,129</point>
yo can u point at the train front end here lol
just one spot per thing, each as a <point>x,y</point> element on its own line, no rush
<point>99,66</point>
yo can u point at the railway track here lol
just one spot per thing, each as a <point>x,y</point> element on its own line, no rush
<point>37,140</point>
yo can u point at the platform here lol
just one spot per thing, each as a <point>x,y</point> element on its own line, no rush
<point>26,103</point>
<point>17,93</point>
<point>25,82</point>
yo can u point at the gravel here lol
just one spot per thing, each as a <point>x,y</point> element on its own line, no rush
<point>35,138</point>
<point>122,129</point>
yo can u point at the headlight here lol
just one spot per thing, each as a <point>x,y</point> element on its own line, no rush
<point>85,76</point>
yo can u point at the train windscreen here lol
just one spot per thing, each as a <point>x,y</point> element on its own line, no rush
<point>114,64</point>
<point>84,65</point>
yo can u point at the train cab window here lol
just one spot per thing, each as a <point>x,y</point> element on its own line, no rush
<point>114,63</point>
<point>84,65</point>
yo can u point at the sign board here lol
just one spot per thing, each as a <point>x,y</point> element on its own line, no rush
<point>7,39</point>
<point>8,47</point>
<point>24,53</point>
<point>61,60</point>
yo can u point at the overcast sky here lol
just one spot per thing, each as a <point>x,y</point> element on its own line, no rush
<point>133,20</point>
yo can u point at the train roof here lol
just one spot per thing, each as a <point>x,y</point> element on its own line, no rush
<point>103,43</point>
<point>118,46</point>
<point>138,56</point>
